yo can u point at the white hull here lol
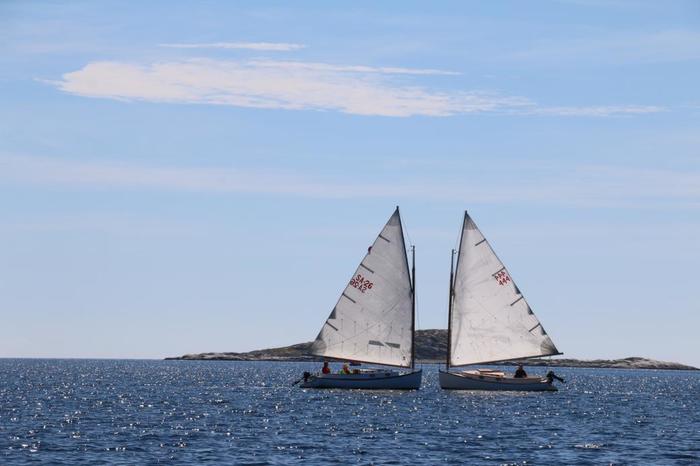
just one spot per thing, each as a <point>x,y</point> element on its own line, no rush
<point>374,380</point>
<point>473,380</point>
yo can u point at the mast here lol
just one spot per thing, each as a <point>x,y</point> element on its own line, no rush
<point>413,307</point>
<point>453,272</point>
<point>449,312</point>
<point>412,283</point>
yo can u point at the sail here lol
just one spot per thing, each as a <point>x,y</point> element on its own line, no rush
<point>373,319</point>
<point>491,320</point>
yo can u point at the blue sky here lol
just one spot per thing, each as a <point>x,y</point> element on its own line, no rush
<point>183,177</point>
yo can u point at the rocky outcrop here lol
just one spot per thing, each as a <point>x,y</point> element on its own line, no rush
<point>431,346</point>
<point>298,352</point>
<point>625,363</point>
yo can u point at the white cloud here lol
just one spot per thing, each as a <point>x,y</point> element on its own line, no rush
<point>358,90</point>
<point>259,46</point>
<point>587,186</point>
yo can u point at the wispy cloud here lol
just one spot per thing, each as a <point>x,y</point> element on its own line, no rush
<point>607,3</point>
<point>325,67</point>
<point>585,186</point>
<point>359,90</point>
<point>259,46</point>
<point>654,47</point>
<point>599,111</point>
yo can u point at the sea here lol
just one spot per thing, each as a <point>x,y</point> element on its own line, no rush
<point>74,412</point>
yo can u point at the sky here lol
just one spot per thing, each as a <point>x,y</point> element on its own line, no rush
<point>180,177</point>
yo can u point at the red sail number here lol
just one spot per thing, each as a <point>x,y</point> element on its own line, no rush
<point>502,277</point>
<point>361,283</point>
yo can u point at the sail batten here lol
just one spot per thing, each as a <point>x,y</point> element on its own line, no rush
<point>491,320</point>
<point>372,321</point>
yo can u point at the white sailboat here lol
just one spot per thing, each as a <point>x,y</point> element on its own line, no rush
<point>373,320</point>
<point>489,321</point>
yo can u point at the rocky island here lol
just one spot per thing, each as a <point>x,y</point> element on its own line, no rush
<point>431,347</point>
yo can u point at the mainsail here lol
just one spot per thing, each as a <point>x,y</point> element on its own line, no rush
<point>490,320</point>
<point>373,319</point>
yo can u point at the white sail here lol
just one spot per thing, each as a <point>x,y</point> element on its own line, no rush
<point>491,320</point>
<point>373,319</point>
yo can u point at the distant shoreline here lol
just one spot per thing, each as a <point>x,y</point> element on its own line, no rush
<point>431,348</point>
<point>624,363</point>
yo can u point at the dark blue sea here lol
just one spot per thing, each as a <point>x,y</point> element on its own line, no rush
<point>178,412</point>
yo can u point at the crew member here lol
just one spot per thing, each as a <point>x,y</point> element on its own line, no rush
<point>520,372</point>
<point>326,369</point>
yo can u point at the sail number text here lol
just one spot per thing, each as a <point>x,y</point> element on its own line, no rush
<point>361,283</point>
<point>502,277</point>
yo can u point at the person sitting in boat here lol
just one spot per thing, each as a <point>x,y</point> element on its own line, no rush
<point>520,372</point>
<point>326,369</point>
<point>345,369</point>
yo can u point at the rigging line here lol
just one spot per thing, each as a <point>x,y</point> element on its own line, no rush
<point>417,318</point>
<point>405,230</point>
<point>416,312</point>
<point>458,240</point>
<point>408,246</point>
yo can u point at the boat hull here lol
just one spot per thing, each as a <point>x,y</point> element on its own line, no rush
<point>475,381</point>
<point>380,380</point>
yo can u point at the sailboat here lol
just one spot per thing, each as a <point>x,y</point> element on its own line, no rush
<point>373,320</point>
<point>489,321</point>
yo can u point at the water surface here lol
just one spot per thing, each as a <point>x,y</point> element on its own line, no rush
<point>179,412</point>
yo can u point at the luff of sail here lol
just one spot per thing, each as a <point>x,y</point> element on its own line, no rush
<point>373,318</point>
<point>491,320</point>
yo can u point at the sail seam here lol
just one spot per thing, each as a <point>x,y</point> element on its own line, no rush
<point>384,239</point>
<point>350,298</point>
<point>533,328</point>
<point>480,242</point>
<point>387,310</point>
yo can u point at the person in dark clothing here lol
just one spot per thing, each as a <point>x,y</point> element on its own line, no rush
<point>551,376</point>
<point>520,372</point>
<point>326,369</point>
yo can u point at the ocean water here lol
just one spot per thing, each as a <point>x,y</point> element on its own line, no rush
<point>188,412</point>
